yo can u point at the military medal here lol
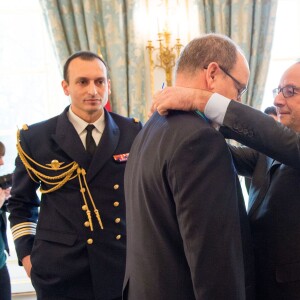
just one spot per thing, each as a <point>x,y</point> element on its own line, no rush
<point>121,157</point>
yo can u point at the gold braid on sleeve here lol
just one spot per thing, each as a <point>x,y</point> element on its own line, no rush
<point>69,172</point>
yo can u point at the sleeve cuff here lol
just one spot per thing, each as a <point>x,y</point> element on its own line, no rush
<point>216,108</point>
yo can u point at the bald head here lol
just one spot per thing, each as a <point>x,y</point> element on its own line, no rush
<point>215,63</point>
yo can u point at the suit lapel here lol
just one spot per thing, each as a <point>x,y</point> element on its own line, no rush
<point>254,203</point>
<point>106,147</point>
<point>69,141</point>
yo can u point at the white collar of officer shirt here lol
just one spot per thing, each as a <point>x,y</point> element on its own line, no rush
<point>80,126</point>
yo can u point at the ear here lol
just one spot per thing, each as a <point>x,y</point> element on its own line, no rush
<point>211,73</point>
<point>65,87</point>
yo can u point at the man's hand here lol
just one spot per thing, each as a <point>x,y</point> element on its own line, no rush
<point>2,197</point>
<point>27,264</point>
<point>7,193</point>
<point>179,98</point>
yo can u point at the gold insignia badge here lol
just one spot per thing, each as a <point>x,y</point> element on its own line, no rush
<point>135,120</point>
<point>55,164</point>
<point>25,127</point>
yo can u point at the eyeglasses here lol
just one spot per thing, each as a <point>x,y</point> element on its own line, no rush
<point>240,87</point>
<point>287,91</point>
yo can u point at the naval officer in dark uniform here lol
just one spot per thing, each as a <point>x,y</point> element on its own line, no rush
<point>72,242</point>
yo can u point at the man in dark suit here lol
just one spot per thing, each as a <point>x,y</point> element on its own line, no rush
<point>274,206</point>
<point>184,229</point>
<point>72,242</point>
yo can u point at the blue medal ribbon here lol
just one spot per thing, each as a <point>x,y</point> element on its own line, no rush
<point>202,116</point>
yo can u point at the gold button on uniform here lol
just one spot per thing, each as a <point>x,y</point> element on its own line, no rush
<point>90,241</point>
<point>84,207</point>
<point>117,220</point>
<point>118,237</point>
<point>86,223</point>
<point>116,186</point>
<point>116,204</point>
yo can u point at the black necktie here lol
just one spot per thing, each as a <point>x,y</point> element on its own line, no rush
<point>90,142</point>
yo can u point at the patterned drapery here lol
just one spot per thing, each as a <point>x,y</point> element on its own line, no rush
<point>110,27</point>
<point>106,27</point>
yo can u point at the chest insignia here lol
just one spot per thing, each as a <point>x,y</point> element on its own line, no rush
<point>55,164</point>
<point>121,157</point>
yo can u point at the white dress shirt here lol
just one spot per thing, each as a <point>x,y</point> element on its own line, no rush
<point>80,126</point>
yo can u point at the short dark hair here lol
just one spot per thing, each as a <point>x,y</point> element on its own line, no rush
<point>2,149</point>
<point>211,47</point>
<point>271,110</point>
<point>84,55</point>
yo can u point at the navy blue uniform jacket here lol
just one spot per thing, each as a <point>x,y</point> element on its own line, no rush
<point>68,258</point>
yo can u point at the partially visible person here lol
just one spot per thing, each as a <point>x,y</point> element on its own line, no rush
<point>187,231</point>
<point>274,206</point>
<point>5,286</point>
<point>74,246</point>
<point>271,111</point>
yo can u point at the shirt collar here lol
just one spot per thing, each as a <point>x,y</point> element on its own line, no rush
<point>80,124</point>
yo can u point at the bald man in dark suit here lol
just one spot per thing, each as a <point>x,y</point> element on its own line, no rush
<point>186,232</point>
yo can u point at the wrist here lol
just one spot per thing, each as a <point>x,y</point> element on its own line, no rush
<point>200,100</point>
